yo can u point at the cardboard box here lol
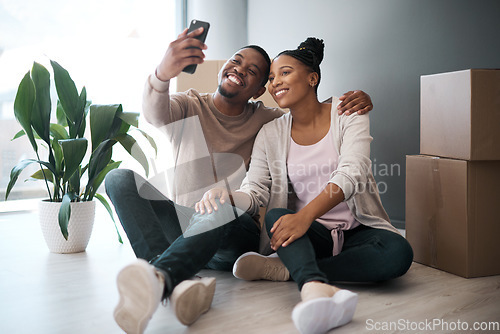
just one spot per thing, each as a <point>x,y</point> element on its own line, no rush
<point>206,80</point>
<point>452,216</point>
<point>460,115</point>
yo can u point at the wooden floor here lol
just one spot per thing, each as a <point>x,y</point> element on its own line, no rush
<point>41,292</point>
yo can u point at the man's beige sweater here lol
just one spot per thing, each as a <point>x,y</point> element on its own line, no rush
<point>208,146</point>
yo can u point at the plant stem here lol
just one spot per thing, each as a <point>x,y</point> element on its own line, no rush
<point>44,177</point>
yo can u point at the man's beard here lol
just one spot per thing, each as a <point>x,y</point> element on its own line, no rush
<point>225,93</point>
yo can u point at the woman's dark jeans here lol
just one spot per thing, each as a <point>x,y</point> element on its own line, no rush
<point>154,229</point>
<point>368,254</point>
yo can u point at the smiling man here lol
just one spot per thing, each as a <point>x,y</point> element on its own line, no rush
<point>212,136</point>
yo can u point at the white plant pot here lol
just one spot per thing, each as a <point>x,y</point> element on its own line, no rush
<point>80,226</point>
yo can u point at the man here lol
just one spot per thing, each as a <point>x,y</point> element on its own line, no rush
<point>154,224</point>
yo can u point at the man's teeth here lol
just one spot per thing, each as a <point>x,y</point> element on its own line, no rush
<point>278,93</point>
<point>233,79</point>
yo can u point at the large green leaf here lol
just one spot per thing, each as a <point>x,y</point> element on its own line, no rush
<point>23,107</point>
<point>66,91</point>
<point>58,131</point>
<point>61,116</point>
<point>85,113</point>
<point>14,174</point>
<point>19,134</point>
<point>43,174</point>
<point>64,215</point>
<point>150,139</point>
<point>124,127</point>
<point>132,147</point>
<point>73,152</point>
<point>40,118</point>
<point>82,104</point>
<point>98,161</point>
<point>100,158</point>
<point>108,208</point>
<point>119,126</point>
<point>101,121</point>
<point>46,164</point>
<point>100,178</point>
<point>131,118</point>
<point>58,158</point>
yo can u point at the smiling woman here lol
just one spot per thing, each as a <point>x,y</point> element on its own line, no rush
<point>109,47</point>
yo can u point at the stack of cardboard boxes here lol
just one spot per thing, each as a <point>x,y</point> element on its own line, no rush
<point>453,187</point>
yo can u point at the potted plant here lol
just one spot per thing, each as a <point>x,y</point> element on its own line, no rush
<point>74,167</point>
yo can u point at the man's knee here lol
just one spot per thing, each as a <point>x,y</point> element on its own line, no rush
<point>217,223</point>
<point>118,180</point>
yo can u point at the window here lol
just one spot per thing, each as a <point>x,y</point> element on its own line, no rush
<point>109,47</point>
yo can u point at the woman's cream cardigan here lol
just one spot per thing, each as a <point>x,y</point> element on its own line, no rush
<point>267,181</point>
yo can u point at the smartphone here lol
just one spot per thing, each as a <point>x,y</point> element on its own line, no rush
<point>195,24</point>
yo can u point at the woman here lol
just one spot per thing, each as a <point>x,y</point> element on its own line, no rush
<point>311,168</point>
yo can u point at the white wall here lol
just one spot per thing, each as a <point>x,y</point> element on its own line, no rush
<point>383,47</point>
<point>228,25</point>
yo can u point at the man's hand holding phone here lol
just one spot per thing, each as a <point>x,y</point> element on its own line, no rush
<point>186,50</point>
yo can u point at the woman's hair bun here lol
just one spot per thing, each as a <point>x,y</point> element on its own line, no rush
<point>314,45</point>
<point>310,52</point>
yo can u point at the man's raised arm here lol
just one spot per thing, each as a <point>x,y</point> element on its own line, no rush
<point>158,108</point>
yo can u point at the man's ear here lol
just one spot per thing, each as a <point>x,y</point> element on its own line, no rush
<point>261,91</point>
